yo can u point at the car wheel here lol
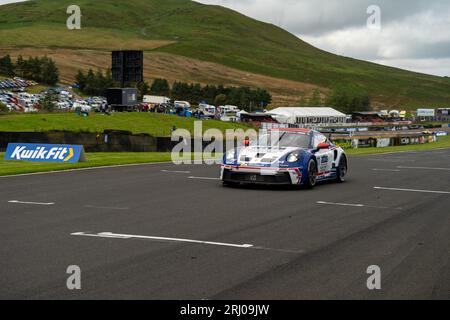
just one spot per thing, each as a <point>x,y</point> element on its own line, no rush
<point>311,179</point>
<point>230,184</point>
<point>342,170</point>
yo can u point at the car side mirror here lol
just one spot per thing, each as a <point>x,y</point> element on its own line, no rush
<point>322,146</point>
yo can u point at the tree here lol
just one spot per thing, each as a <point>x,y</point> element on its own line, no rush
<point>3,108</point>
<point>90,87</point>
<point>220,99</point>
<point>20,66</point>
<point>49,71</point>
<point>143,89</point>
<point>47,103</point>
<point>263,98</point>
<point>160,87</point>
<point>349,99</point>
<point>6,66</point>
<point>81,80</point>
<point>109,83</point>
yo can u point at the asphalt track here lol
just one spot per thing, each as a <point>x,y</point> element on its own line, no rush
<point>306,244</point>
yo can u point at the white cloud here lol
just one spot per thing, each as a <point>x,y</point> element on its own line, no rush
<point>10,1</point>
<point>414,34</point>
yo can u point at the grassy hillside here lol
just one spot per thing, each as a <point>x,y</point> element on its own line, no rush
<point>210,33</point>
<point>151,123</point>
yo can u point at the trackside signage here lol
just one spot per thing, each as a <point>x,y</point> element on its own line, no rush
<point>45,153</point>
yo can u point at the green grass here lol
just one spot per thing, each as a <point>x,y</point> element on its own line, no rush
<point>150,123</point>
<point>36,89</point>
<point>94,160</point>
<point>211,33</point>
<point>443,142</point>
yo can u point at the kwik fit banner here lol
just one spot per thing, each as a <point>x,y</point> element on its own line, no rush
<point>45,153</point>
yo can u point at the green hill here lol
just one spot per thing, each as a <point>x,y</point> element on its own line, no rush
<point>215,34</point>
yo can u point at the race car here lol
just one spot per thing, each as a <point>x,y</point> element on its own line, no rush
<point>285,157</point>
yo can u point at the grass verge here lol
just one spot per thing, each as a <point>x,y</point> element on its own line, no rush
<point>94,160</point>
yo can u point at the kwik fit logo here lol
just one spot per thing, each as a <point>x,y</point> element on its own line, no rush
<point>45,153</point>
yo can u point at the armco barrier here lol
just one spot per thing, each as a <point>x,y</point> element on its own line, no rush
<point>112,141</point>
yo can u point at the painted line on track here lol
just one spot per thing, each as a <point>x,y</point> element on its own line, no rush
<point>412,190</point>
<point>203,178</point>
<point>173,171</point>
<point>34,203</point>
<point>387,170</point>
<point>341,204</point>
<point>130,236</point>
<point>356,205</point>
<point>110,235</point>
<point>424,168</point>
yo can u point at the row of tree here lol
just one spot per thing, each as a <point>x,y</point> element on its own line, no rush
<point>40,69</point>
<point>345,98</point>
<point>244,97</point>
<point>94,83</point>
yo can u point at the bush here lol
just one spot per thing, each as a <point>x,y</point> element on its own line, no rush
<point>40,69</point>
<point>3,108</point>
<point>47,103</point>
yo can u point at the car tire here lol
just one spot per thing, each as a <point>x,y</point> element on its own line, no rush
<point>311,179</point>
<point>230,184</point>
<point>342,170</point>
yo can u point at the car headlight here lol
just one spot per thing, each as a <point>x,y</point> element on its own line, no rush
<point>230,156</point>
<point>293,157</point>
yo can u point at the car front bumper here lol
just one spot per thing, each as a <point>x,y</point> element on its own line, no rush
<point>261,175</point>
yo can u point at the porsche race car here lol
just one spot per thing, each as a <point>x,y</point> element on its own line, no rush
<point>285,157</point>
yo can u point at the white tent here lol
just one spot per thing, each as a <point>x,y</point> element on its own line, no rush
<point>308,115</point>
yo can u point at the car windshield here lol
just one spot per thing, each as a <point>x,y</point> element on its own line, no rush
<point>281,139</point>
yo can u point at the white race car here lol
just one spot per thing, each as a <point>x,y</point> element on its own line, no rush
<point>285,157</point>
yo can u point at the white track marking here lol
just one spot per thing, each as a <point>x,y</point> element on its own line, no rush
<point>172,171</point>
<point>203,178</point>
<point>357,205</point>
<point>129,236</point>
<point>106,208</point>
<point>411,190</point>
<point>341,204</point>
<point>36,203</point>
<point>387,170</point>
<point>424,168</point>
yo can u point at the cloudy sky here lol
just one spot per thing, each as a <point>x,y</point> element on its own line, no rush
<point>413,34</point>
